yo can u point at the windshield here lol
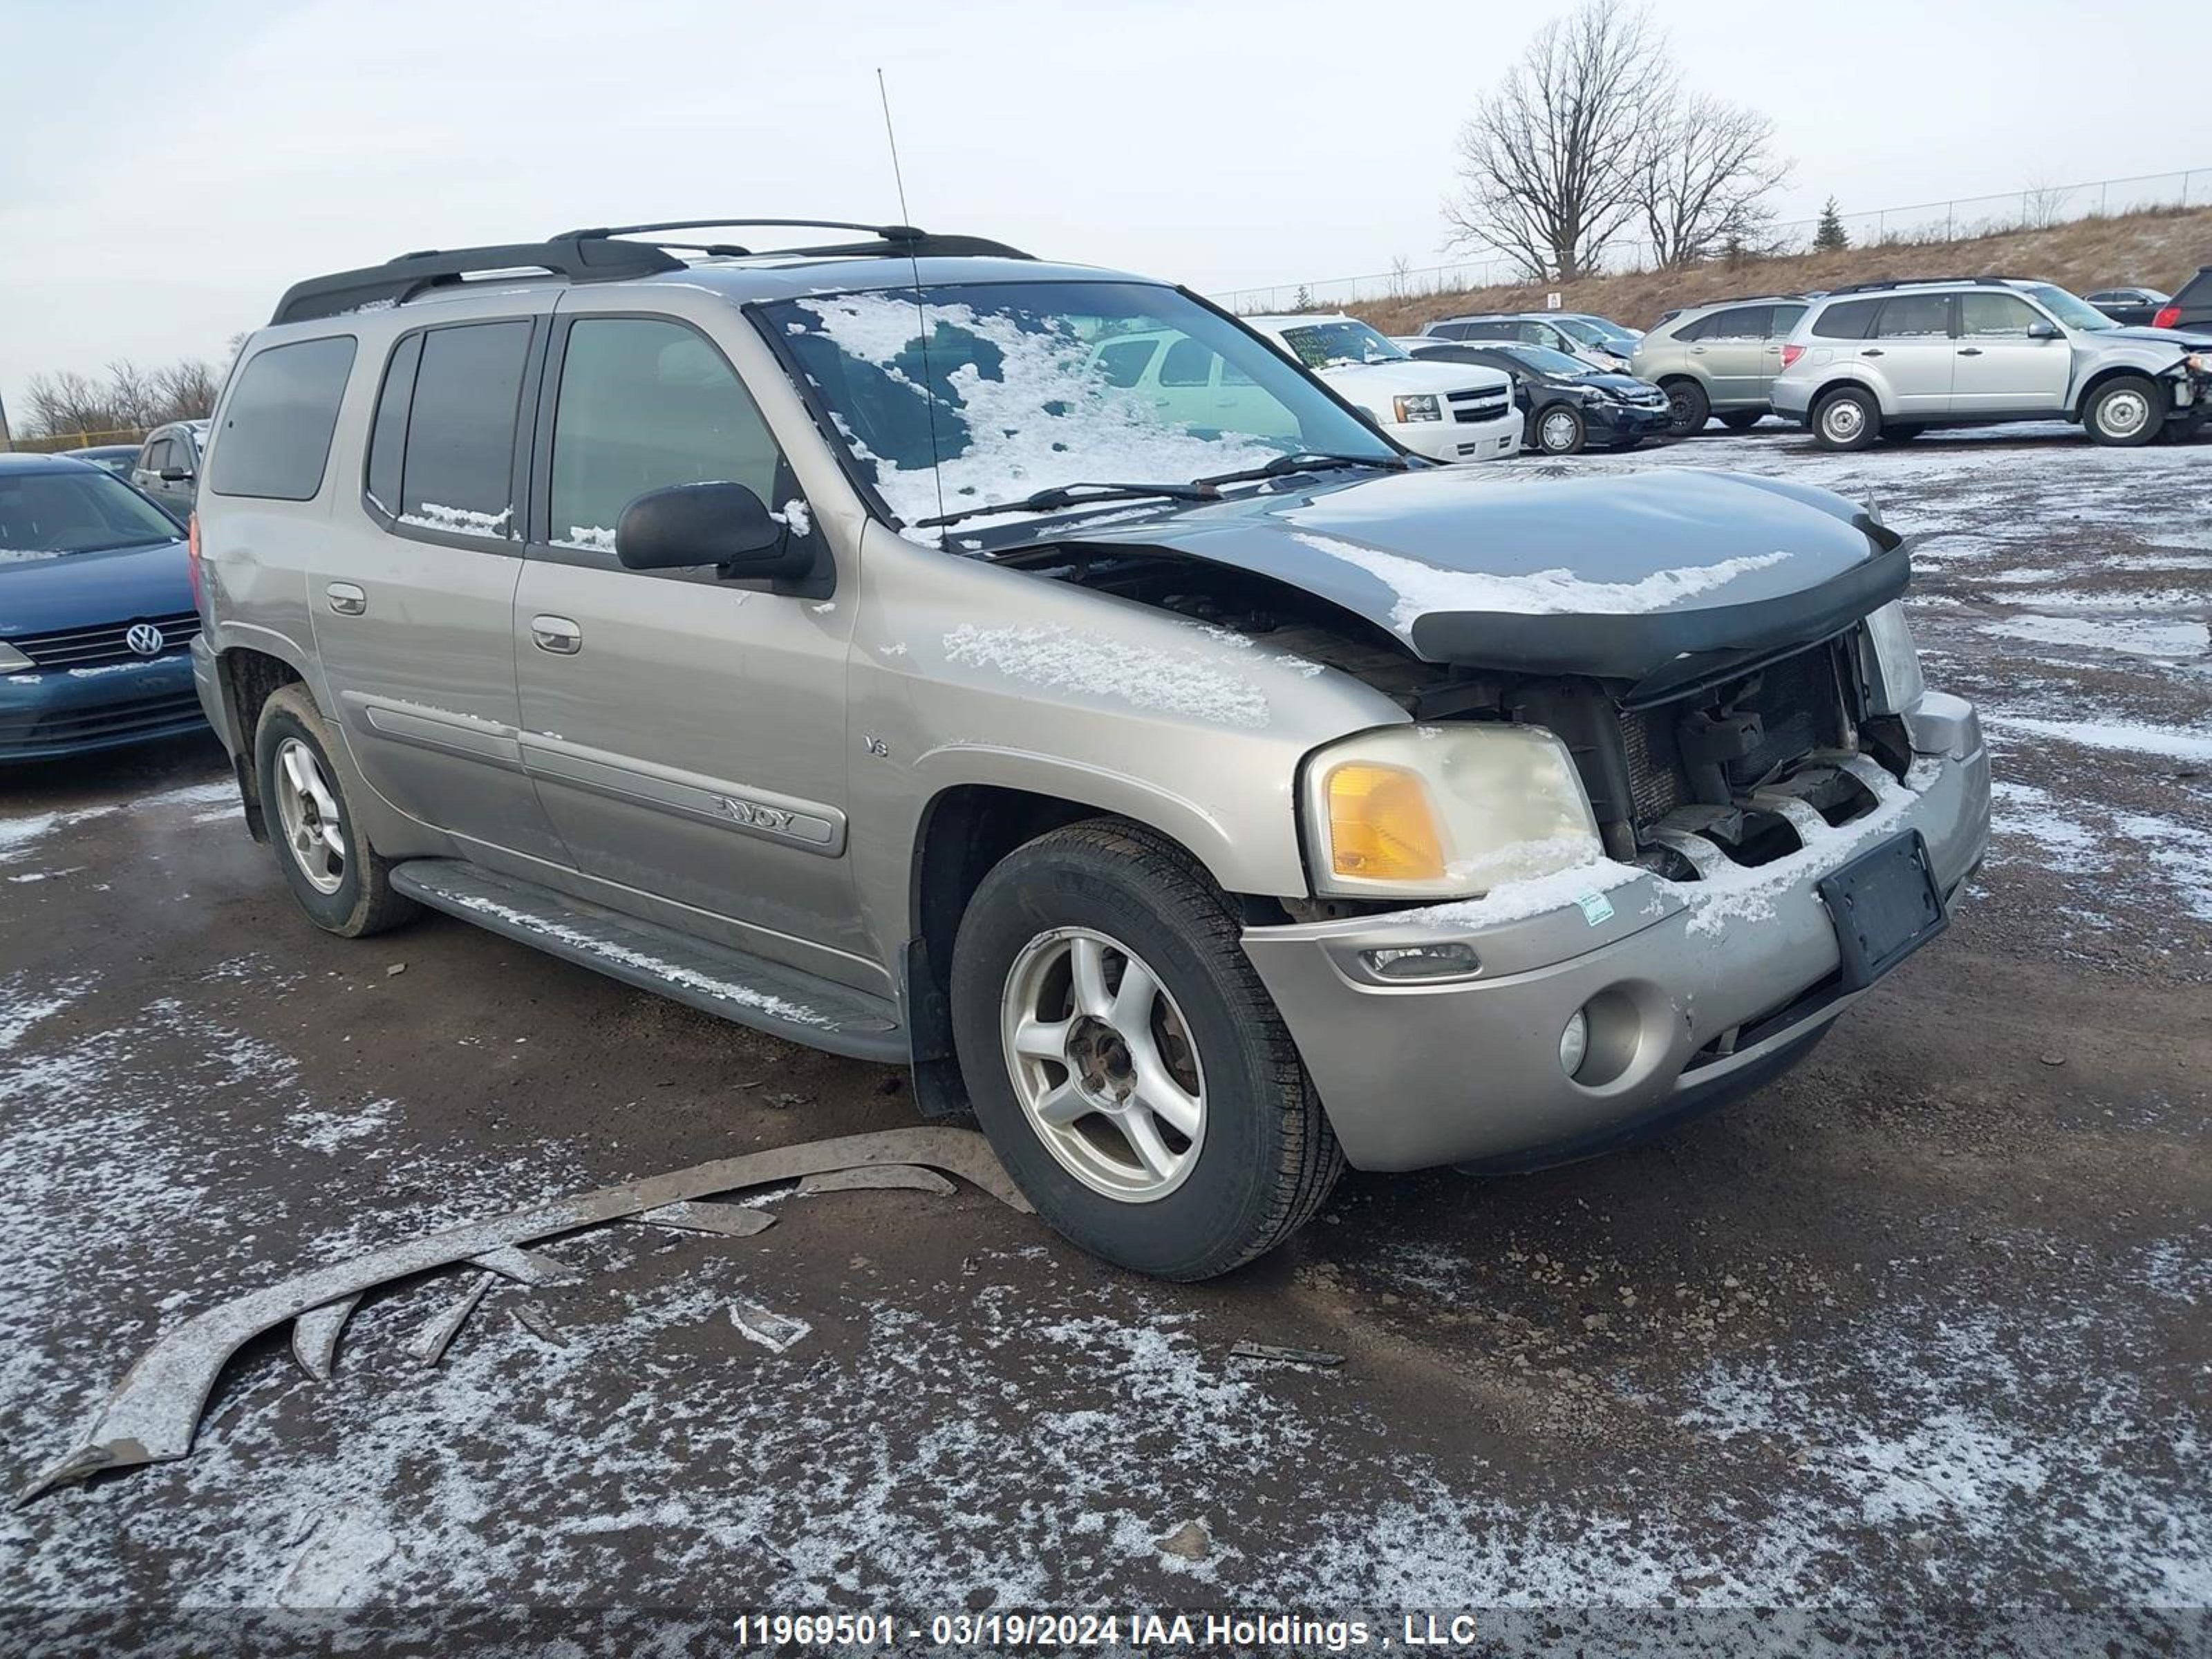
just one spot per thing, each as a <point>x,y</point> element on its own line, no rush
<point>1545,360</point>
<point>2067,308</point>
<point>81,510</point>
<point>1330,345</point>
<point>1023,387</point>
<point>1592,333</point>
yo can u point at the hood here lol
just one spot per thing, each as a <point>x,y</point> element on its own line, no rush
<point>1358,381</point>
<point>1614,577</point>
<point>89,590</point>
<point>2181,339</point>
<point>1622,385</point>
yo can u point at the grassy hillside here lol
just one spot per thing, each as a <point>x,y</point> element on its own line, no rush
<point>2161,249</point>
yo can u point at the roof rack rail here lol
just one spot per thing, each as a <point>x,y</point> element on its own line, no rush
<point>1922,282</point>
<point>597,255</point>
<point>887,240</point>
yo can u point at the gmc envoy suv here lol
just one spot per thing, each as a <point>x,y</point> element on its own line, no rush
<point>821,637</point>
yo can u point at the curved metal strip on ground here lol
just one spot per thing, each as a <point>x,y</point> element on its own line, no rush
<point>153,1412</point>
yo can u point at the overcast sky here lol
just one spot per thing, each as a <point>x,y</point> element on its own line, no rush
<point>168,169</point>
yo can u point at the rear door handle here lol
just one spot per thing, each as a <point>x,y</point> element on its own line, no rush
<point>1970,351</point>
<point>558,634</point>
<point>1871,352</point>
<point>347,599</point>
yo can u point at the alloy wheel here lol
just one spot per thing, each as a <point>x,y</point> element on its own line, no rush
<point>1103,1064</point>
<point>308,810</point>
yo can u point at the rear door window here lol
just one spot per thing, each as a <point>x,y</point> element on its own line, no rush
<point>1190,363</point>
<point>1914,317</point>
<point>1847,320</point>
<point>280,418</point>
<point>456,470</point>
<point>1786,318</point>
<point>1739,322</point>
<point>1122,363</point>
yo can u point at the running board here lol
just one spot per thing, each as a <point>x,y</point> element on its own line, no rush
<point>766,996</point>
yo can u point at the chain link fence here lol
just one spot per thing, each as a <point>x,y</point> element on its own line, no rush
<point>2035,208</point>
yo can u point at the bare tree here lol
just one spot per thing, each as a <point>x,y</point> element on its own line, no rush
<point>130,399</point>
<point>1706,169</point>
<point>1547,160</point>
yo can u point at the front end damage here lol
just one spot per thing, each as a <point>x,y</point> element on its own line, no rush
<point>1736,754</point>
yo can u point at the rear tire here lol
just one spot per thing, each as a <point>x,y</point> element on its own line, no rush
<point>340,880</point>
<point>2123,413</point>
<point>1561,430</point>
<point>1062,925</point>
<point>1688,409</point>
<point>1742,420</point>
<point>1847,418</point>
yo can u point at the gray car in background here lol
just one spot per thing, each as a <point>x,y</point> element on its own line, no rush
<point>169,464</point>
<point>1718,359</point>
<point>1203,793</point>
<point>1890,359</point>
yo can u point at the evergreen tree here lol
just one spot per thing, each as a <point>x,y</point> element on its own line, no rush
<point>1829,236</point>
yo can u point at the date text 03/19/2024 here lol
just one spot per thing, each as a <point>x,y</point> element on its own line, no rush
<point>1195,1632</point>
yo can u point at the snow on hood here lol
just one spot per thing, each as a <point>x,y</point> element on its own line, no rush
<point>1364,381</point>
<point>1612,576</point>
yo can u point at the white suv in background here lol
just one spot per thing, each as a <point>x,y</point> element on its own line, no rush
<point>1446,411</point>
<point>1891,359</point>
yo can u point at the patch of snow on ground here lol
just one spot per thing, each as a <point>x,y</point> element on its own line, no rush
<point>2170,640</point>
<point>2121,735</point>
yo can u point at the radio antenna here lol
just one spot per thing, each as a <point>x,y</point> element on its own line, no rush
<point>921,310</point>
<point>897,177</point>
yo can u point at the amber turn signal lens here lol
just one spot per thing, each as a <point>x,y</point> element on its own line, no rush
<point>1380,827</point>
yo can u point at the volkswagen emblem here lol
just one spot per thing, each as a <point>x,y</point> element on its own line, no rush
<point>145,639</point>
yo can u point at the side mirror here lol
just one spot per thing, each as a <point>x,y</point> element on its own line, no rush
<point>2042,329</point>
<point>176,474</point>
<point>724,525</point>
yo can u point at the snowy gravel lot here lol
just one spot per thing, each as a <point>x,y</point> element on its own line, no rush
<point>1923,1329</point>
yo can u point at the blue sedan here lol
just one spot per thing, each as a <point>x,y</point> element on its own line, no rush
<point>96,613</point>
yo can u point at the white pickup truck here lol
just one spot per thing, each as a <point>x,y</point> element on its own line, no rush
<point>1446,411</point>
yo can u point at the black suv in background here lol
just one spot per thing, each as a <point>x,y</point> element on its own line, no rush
<point>2191,308</point>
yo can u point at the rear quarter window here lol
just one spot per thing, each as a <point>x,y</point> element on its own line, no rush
<point>281,418</point>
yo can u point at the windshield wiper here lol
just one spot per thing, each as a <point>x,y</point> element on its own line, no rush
<point>1303,461</point>
<point>1062,496</point>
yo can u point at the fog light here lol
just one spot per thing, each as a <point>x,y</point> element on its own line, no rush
<point>1410,962</point>
<point>1573,1043</point>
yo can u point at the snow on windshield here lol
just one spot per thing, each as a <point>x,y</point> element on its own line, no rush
<point>1043,413</point>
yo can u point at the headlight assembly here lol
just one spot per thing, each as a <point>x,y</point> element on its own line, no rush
<point>1421,406</point>
<point>1894,665</point>
<point>13,661</point>
<point>1444,811</point>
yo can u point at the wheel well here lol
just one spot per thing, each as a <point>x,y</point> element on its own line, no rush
<point>964,833</point>
<point>2104,377</point>
<point>1679,377</point>
<point>1843,383</point>
<point>249,678</point>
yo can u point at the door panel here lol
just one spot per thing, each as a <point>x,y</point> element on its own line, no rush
<point>1913,346</point>
<point>1999,367</point>
<point>415,623</point>
<point>1732,351</point>
<point>686,734</point>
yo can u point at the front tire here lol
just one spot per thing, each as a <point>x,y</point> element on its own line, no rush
<point>1847,418</point>
<point>1688,409</point>
<point>1125,1061</point>
<point>339,879</point>
<point>2123,413</point>
<point>1560,430</point>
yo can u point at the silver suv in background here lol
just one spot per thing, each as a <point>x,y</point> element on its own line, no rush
<point>1890,359</point>
<point>1202,798</point>
<point>1719,358</point>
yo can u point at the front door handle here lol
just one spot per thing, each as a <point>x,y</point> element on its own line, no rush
<point>347,599</point>
<point>1970,351</point>
<point>1871,352</point>
<point>558,634</point>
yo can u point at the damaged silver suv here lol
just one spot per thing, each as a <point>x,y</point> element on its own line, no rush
<point>1199,788</point>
